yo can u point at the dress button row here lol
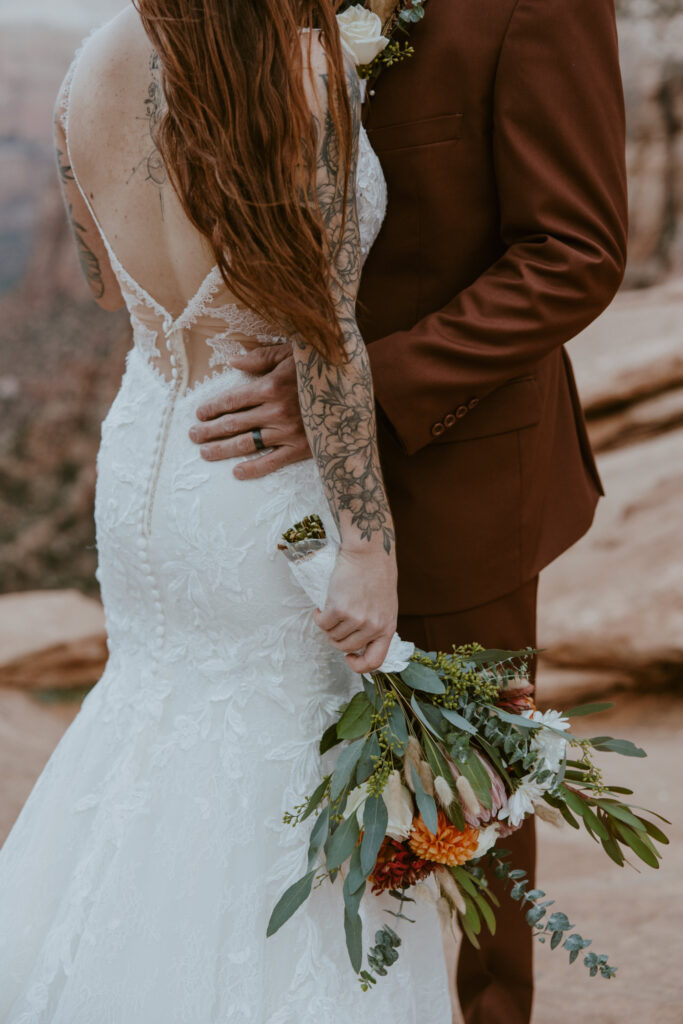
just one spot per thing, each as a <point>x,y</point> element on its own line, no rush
<point>449,420</point>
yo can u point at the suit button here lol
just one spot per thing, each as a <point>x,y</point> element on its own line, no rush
<point>449,420</point>
<point>473,403</point>
<point>461,411</point>
<point>438,429</point>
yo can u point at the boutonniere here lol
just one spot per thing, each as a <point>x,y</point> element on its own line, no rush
<point>374,32</point>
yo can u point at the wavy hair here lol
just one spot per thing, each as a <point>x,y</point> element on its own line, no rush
<point>239,141</point>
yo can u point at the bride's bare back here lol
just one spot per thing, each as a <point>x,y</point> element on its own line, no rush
<point>135,242</point>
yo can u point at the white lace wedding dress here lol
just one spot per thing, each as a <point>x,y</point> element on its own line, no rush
<point>137,882</point>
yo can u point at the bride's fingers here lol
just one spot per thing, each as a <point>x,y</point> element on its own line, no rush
<point>330,618</point>
<point>344,629</point>
<point>356,641</point>
<point>372,657</point>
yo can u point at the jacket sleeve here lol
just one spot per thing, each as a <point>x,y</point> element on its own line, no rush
<point>558,150</point>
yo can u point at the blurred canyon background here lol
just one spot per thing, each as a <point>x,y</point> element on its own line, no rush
<point>611,608</point>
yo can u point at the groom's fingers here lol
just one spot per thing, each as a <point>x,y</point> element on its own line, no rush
<point>262,359</point>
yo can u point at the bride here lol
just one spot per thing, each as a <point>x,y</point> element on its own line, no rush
<point>208,152</point>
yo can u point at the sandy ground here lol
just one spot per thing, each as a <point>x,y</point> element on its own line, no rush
<point>632,916</point>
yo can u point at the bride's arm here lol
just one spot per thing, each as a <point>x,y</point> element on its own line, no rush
<point>338,410</point>
<point>92,254</point>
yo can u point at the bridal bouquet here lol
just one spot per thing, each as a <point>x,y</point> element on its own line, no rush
<point>441,756</point>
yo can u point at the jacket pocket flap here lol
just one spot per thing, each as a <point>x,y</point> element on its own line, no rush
<point>416,133</point>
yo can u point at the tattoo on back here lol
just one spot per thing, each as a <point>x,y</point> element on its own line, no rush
<point>337,402</point>
<point>152,164</point>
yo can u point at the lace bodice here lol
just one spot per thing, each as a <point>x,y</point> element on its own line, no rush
<point>186,349</point>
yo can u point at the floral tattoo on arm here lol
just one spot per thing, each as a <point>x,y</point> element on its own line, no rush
<point>337,402</point>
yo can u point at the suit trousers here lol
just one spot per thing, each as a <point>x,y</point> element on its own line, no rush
<point>495,982</point>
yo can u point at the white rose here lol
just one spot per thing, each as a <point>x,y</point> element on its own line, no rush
<point>361,31</point>
<point>398,802</point>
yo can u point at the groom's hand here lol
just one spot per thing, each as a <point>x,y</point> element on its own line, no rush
<point>270,402</point>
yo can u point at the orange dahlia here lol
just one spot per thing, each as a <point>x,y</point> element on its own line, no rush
<point>449,846</point>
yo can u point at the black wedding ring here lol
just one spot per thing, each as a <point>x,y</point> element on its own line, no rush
<point>258,439</point>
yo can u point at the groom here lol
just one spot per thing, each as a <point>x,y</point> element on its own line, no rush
<point>502,142</point>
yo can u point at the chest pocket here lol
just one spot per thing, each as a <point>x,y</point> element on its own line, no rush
<point>412,134</point>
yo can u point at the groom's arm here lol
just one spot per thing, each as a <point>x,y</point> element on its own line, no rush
<point>560,171</point>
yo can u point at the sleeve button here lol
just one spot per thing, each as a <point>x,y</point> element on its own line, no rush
<point>473,403</point>
<point>461,411</point>
<point>449,420</point>
<point>438,429</point>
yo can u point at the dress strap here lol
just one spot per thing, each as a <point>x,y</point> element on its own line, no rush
<point>63,115</point>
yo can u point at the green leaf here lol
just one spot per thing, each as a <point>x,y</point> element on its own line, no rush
<point>353,928</point>
<point>558,922</point>
<point>472,918</point>
<point>517,720</point>
<point>624,747</point>
<point>467,932</point>
<point>318,836</point>
<point>586,709</point>
<point>315,798</point>
<point>478,778</point>
<point>485,911</point>
<point>375,821</point>
<point>591,819</point>
<point>637,844</point>
<point>357,719</point>
<point>329,738</point>
<point>397,730</point>
<point>556,939</point>
<point>612,849</point>
<point>342,841</point>
<point>617,810</point>
<point>417,708</point>
<point>355,877</point>
<point>419,677</point>
<point>371,693</point>
<point>425,803</point>
<point>455,719</point>
<point>534,915</point>
<point>290,901</point>
<point>366,763</point>
<point>653,831</point>
<point>494,656</point>
<point>346,762</point>
<point>563,809</point>
<point>464,879</point>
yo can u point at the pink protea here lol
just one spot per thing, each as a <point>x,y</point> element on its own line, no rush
<point>474,811</point>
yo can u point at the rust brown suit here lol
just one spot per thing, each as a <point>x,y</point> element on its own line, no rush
<point>502,142</point>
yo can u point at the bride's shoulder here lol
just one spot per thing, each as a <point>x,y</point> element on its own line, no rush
<point>103,55</point>
<point>315,62</point>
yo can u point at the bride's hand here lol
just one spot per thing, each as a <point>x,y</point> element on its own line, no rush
<point>362,606</point>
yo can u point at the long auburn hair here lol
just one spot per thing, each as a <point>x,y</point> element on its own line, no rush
<point>239,141</point>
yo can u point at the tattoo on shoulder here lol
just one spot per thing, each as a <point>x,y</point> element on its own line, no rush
<point>152,163</point>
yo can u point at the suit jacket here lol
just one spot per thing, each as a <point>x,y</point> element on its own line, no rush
<point>502,142</point>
